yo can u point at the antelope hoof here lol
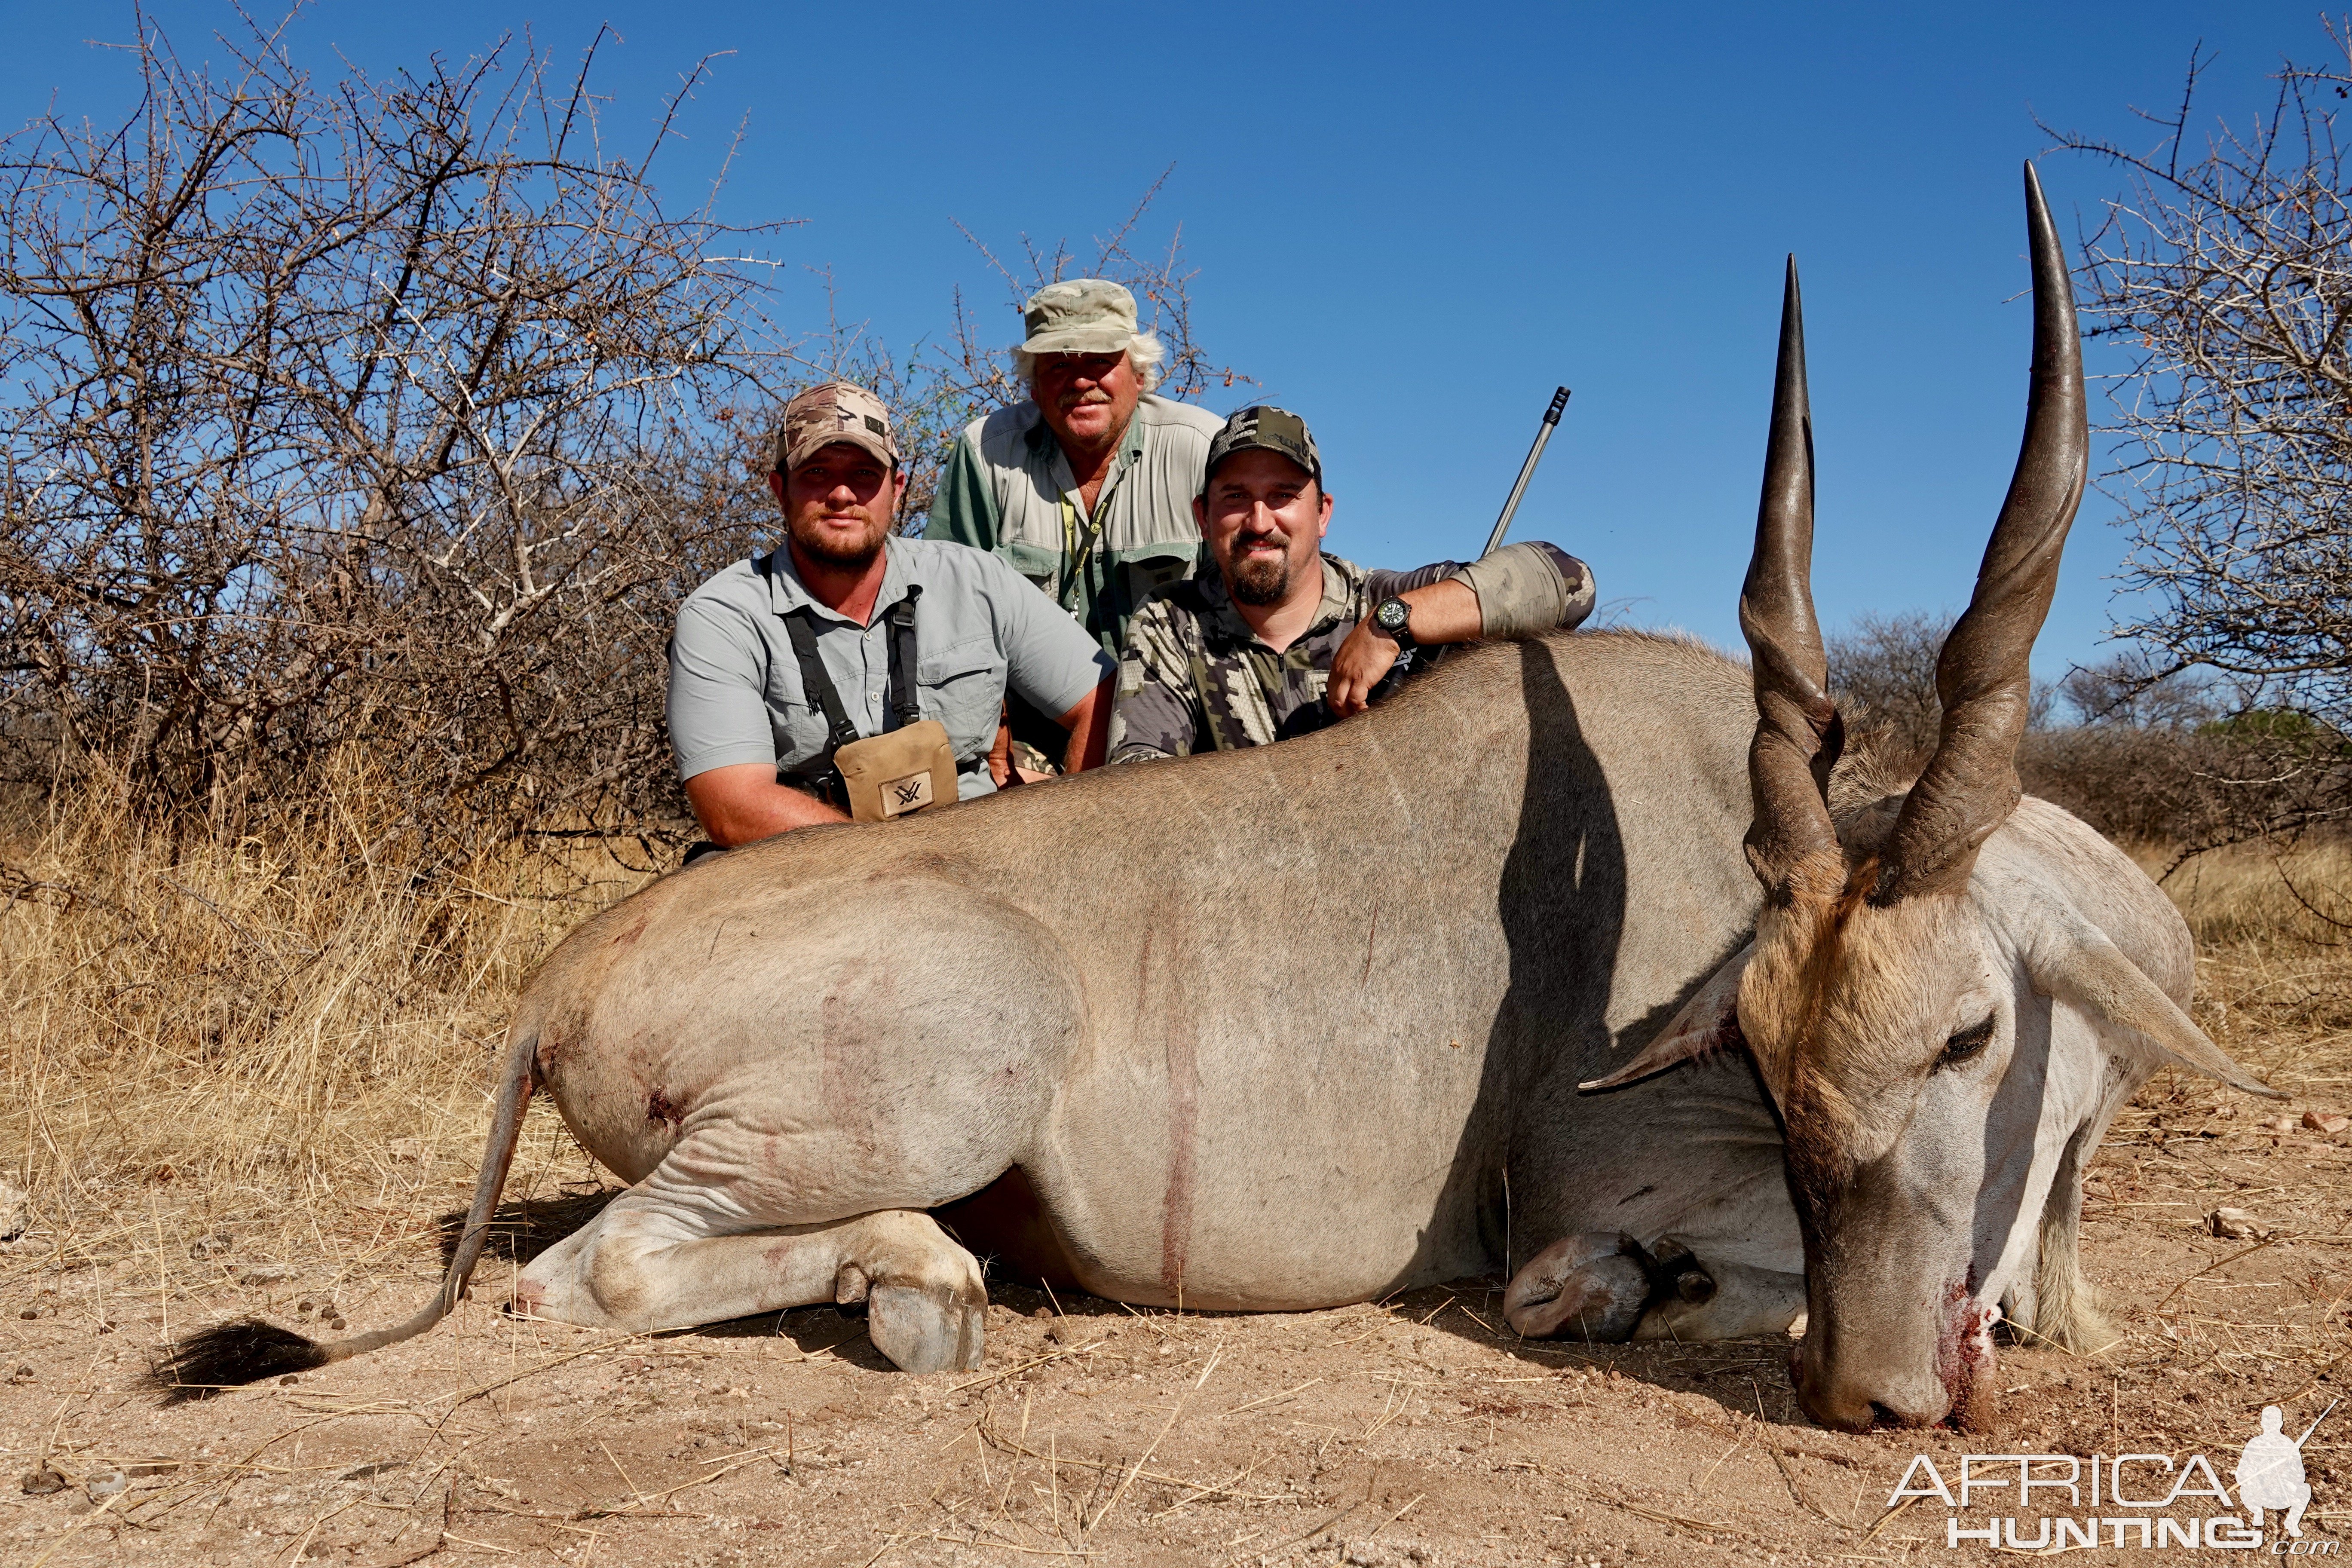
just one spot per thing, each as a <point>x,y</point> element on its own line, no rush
<point>926,1329</point>
<point>1590,1287</point>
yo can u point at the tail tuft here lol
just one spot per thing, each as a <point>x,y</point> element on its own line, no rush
<point>228,1354</point>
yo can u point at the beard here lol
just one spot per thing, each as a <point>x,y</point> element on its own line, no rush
<point>843,557</point>
<point>1260,580</point>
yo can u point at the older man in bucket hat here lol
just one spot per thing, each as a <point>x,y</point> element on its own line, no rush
<point>846,631</point>
<point>1086,488</point>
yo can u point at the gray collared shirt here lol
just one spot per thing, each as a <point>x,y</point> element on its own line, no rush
<point>735,690</point>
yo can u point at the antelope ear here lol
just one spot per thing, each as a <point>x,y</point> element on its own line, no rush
<point>1708,1021</point>
<point>2074,961</point>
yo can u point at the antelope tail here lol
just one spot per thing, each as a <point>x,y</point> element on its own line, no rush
<point>249,1350</point>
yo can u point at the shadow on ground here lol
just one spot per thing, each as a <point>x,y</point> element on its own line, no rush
<point>1751,1376</point>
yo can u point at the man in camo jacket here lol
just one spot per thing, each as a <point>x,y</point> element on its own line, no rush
<point>1285,639</point>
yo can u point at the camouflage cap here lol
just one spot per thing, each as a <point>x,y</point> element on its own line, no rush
<point>1079,316</point>
<point>836,410</point>
<point>1271,429</point>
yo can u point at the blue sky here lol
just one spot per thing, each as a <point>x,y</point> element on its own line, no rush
<point>1410,223</point>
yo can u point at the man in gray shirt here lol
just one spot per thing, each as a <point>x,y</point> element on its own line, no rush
<point>752,742</point>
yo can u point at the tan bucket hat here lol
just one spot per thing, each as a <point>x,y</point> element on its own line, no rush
<point>836,410</point>
<point>1079,316</point>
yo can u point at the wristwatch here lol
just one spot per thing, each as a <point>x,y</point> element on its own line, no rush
<point>1392,618</point>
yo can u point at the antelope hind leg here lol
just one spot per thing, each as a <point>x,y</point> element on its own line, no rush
<point>649,1262</point>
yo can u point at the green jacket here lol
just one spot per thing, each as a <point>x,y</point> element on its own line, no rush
<point>1008,490</point>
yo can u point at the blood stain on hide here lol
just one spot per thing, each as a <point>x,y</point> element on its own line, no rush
<point>629,937</point>
<point>659,1107</point>
<point>1965,1360</point>
<point>847,1020</point>
<point>1181,1054</point>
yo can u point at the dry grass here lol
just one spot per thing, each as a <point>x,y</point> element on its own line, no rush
<point>2275,969</point>
<point>280,1040</point>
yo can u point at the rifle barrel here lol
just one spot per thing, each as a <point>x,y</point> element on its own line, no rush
<point>1528,469</point>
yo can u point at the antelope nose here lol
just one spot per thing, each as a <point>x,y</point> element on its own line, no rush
<point>1847,1402</point>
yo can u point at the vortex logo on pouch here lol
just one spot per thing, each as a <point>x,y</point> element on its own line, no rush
<point>2027,1502</point>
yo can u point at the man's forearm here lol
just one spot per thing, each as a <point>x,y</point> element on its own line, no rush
<point>744,804</point>
<point>1089,727</point>
<point>1444,612</point>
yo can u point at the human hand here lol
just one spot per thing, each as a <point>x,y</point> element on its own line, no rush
<point>1361,661</point>
<point>1000,754</point>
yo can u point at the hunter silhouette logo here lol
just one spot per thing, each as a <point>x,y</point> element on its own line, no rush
<point>2152,1501</point>
<point>2270,1470</point>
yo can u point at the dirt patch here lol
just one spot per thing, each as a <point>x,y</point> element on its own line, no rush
<point>1406,1431</point>
<point>291,1160</point>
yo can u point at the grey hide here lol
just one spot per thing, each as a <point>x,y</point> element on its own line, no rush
<point>1268,1028</point>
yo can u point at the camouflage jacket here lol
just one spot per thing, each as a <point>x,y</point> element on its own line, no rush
<point>1194,678</point>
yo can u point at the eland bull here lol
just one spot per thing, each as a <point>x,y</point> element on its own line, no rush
<point>1311,1023</point>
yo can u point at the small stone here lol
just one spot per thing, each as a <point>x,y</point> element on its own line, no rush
<point>30,1313</point>
<point>288,1381</point>
<point>107,1485</point>
<point>304,1305</point>
<point>43,1481</point>
<point>2235,1225</point>
<point>15,1212</point>
<point>22,1374</point>
<point>2325,1121</point>
<point>336,1325</point>
<point>266,1274</point>
<point>1042,1312</point>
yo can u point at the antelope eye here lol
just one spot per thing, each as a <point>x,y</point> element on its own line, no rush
<point>1964,1047</point>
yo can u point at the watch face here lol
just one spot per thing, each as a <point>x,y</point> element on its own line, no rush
<point>1392,617</point>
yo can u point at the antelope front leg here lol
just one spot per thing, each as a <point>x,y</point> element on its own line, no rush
<point>1716,1301</point>
<point>645,1264</point>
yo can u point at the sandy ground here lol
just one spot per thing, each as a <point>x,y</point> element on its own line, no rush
<point>1405,1432</point>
